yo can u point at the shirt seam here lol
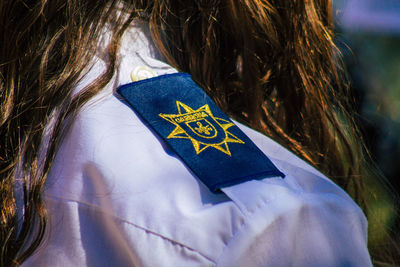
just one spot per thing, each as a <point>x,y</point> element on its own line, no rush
<point>247,216</point>
<point>152,232</point>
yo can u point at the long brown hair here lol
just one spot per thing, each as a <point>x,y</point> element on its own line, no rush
<point>269,64</point>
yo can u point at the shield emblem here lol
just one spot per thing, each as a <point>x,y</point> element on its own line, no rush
<point>201,127</point>
<point>204,130</point>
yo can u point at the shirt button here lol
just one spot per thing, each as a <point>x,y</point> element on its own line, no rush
<point>141,73</point>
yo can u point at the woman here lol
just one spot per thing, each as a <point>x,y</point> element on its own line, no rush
<point>86,180</point>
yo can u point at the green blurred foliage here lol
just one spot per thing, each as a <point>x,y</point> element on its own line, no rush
<point>373,62</point>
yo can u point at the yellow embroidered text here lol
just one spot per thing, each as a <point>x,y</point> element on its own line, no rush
<point>201,128</point>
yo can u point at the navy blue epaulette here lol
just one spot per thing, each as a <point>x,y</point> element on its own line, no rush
<point>203,137</point>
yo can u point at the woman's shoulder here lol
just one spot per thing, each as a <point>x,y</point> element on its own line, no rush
<point>117,194</point>
<point>115,176</point>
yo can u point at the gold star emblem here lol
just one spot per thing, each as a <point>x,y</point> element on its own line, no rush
<point>201,128</point>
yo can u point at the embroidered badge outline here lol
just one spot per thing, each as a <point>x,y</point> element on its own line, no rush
<point>201,128</point>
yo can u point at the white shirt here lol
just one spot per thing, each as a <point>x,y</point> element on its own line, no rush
<point>115,197</point>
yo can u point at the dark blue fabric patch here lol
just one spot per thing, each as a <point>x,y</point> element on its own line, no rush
<point>204,137</point>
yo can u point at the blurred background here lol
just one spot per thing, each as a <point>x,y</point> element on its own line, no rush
<point>369,38</point>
